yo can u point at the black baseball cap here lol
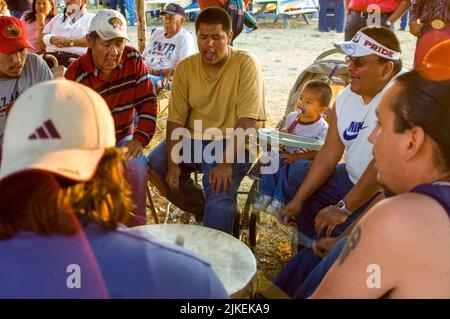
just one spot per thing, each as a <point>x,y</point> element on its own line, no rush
<point>172,9</point>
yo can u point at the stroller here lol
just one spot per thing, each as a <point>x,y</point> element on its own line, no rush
<point>334,72</point>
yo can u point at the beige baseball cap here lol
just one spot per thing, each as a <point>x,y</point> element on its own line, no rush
<point>57,126</point>
<point>109,24</point>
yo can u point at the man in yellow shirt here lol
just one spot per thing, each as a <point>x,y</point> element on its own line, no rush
<point>216,95</point>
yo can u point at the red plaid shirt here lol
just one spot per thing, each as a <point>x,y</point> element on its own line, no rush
<point>128,89</point>
<point>429,10</point>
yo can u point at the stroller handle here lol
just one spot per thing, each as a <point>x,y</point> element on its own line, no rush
<point>326,54</point>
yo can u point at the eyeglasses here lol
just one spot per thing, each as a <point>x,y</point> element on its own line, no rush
<point>358,61</point>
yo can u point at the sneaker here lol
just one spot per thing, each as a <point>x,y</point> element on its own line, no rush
<point>262,202</point>
<point>275,207</point>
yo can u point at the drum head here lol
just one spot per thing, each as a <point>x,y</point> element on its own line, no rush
<point>230,258</point>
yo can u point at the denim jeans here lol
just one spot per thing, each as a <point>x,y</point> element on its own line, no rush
<point>138,178</point>
<point>273,185</point>
<point>305,271</point>
<point>331,192</point>
<point>131,11</point>
<point>121,3</point>
<point>155,79</point>
<point>219,209</point>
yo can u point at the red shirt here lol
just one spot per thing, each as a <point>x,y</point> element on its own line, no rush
<point>217,3</point>
<point>128,89</point>
<point>386,6</point>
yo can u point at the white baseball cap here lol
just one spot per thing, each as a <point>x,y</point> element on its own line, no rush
<point>57,126</point>
<point>109,24</point>
<point>362,45</point>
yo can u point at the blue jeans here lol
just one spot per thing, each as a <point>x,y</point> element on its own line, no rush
<point>155,79</point>
<point>138,178</point>
<point>131,11</point>
<point>219,209</point>
<point>405,19</point>
<point>121,3</point>
<point>331,192</point>
<point>305,271</point>
<point>273,185</point>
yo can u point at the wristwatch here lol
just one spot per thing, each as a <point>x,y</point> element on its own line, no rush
<point>387,23</point>
<point>343,208</point>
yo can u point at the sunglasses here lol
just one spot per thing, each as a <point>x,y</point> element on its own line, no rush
<point>358,61</point>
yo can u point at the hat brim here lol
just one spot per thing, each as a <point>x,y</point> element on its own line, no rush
<point>13,46</point>
<point>107,37</point>
<point>171,13</point>
<point>77,165</point>
<point>351,49</point>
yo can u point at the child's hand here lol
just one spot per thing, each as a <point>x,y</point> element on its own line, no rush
<point>289,158</point>
<point>284,130</point>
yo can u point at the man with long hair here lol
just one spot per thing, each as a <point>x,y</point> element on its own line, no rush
<point>63,197</point>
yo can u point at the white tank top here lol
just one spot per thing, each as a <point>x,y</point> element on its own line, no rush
<point>355,121</point>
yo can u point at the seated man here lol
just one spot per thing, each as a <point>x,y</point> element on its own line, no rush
<point>62,201</point>
<point>216,94</point>
<point>118,73</point>
<point>168,45</point>
<point>401,248</point>
<point>333,194</point>
<point>19,70</point>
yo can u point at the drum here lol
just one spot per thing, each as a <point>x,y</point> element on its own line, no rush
<point>233,262</point>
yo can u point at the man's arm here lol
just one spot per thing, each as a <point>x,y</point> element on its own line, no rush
<point>415,27</point>
<point>366,187</point>
<point>321,168</point>
<point>346,8</point>
<point>391,250</point>
<point>145,105</point>
<point>400,11</point>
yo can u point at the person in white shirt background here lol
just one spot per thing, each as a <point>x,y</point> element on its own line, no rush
<point>168,45</point>
<point>65,34</point>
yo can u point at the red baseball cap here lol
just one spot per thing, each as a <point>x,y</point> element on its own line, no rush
<point>13,36</point>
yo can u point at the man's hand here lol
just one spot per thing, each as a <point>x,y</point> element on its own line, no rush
<point>322,246</point>
<point>327,219</point>
<point>292,209</point>
<point>289,158</point>
<point>58,41</point>
<point>220,177</point>
<point>173,176</point>
<point>415,28</point>
<point>133,149</point>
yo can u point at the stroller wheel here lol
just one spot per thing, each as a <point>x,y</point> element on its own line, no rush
<point>253,229</point>
<point>237,230</point>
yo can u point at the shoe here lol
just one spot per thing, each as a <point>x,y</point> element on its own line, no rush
<point>262,202</point>
<point>275,207</point>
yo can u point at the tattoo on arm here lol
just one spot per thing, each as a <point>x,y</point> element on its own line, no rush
<point>351,244</point>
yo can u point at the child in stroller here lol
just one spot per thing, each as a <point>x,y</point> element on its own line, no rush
<point>307,121</point>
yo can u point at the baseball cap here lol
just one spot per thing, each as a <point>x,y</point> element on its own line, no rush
<point>362,45</point>
<point>173,8</point>
<point>109,24</point>
<point>13,36</point>
<point>60,127</point>
<point>436,65</point>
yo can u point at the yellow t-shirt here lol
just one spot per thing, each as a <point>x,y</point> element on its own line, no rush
<point>235,93</point>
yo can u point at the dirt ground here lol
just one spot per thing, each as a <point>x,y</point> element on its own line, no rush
<point>283,54</point>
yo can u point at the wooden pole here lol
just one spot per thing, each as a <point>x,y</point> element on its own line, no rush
<point>98,3</point>
<point>140,5</point>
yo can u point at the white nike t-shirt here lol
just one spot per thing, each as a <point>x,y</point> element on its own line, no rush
<point>355,121</point>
